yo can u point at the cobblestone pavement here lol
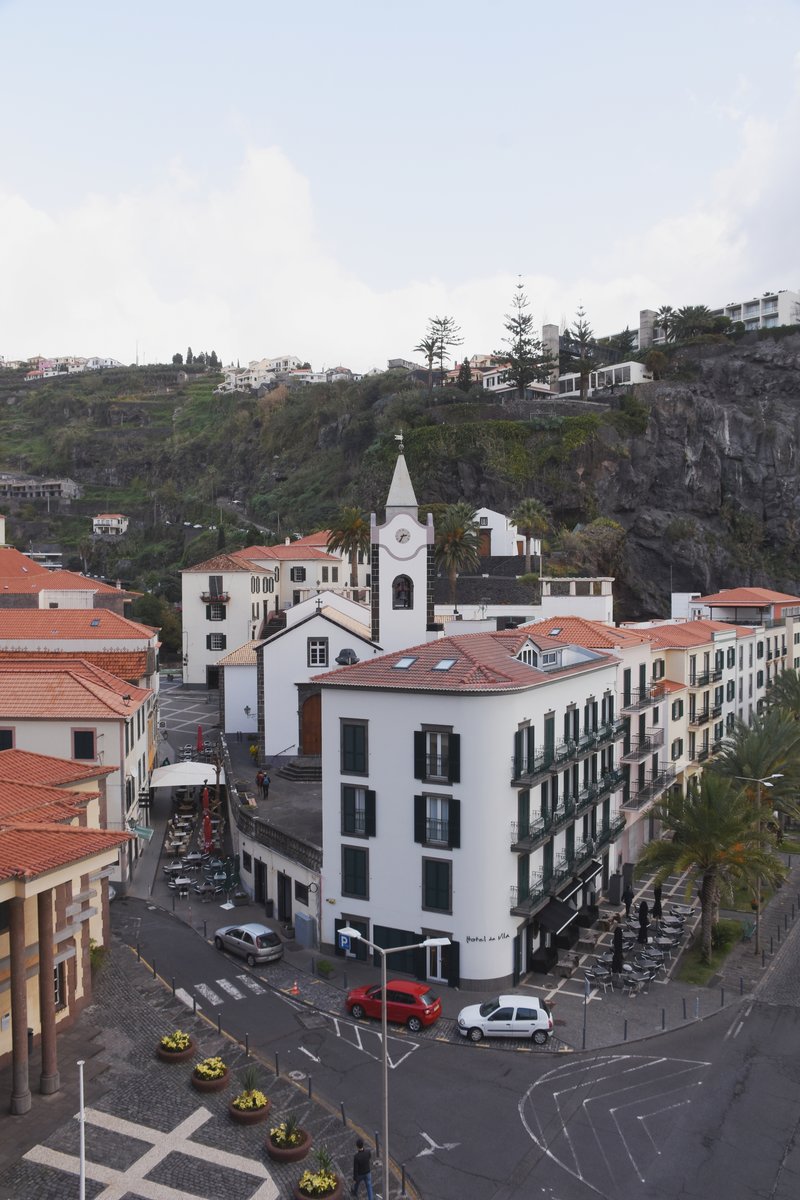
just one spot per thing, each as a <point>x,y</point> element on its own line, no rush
<point>148,1132</point>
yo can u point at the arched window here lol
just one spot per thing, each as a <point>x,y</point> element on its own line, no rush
<point>402,592</point>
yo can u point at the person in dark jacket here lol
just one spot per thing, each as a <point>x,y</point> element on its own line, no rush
<point>362,1169</point>
<point>627,899</point>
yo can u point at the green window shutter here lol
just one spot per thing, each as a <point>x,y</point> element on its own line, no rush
<point>454,824</point>
<point>369,814</point>
<point>420,766</point>
<point>419,819</point>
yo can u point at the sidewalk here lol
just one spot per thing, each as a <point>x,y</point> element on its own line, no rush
<point>139,1108</point>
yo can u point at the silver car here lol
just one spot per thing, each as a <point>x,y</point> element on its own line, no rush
<point>254,943</point>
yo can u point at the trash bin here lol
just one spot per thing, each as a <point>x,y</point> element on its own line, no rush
<point>269,905</point>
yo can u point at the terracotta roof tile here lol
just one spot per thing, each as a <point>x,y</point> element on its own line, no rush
<point>68,688</point>
<point>745,596</point>
<point>15,564</point>
<point>56,581</point>
<point>221,563</point>
<point>686,634</point>
<point>283,552</point>
<point>35,802</point>
<point>125,664</point>
<point>483,662</point>
<point>29,849</point>
<point>580,632</point>
<point>243,656</point>
<point>25,765</point>
<point>99,624</point>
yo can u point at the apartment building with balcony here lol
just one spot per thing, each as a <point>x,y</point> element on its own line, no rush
<point>471,789</point>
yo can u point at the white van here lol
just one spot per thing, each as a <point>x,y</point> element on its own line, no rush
<point>507,1016</point>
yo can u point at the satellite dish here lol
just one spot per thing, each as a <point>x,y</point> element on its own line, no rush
<point>346,657</point>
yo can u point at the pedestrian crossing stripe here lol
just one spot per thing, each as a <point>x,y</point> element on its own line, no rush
<point>209,993</point>
<point>250,983</point>
<point>230,988</point>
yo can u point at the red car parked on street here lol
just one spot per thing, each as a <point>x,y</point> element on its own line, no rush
<point>410,1004</point>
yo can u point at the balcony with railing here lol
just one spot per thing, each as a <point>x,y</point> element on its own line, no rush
<point>699,716</point>
<point>641,697</point>
<point>641,747</point>
<point>525,837</point>
<point>716,711</point>
<point>215,597</point>
<point>704,678</point>
<point>701,754</point>
<point>525,900</point>
<point>610,831</point>
<point>655,783</point>
<point>527,769</point>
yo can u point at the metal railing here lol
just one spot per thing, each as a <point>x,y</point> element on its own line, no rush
<point>699,718</point>
<point>655,783</point>
<point>527,767</point>
<point>639,747</point>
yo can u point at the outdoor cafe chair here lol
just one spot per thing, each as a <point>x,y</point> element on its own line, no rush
<point>597,981</point>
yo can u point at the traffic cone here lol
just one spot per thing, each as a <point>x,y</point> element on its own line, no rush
<point>294,990</point>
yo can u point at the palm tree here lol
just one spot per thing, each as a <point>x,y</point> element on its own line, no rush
<point>350,534</point>
<point>664,318</point>
<point>785,693</point>
<point>456,542</point>
<point>714,831</point>
<point>770,746</point>
<point>531,520</point>
<point>429,348</point>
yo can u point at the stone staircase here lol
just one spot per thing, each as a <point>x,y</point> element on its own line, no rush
<point>306,769</point>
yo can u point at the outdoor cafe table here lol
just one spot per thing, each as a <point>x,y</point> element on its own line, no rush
<point>180,882</point>
<point>193,857</point>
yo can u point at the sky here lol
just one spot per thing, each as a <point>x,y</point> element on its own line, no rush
<point>262,178</point>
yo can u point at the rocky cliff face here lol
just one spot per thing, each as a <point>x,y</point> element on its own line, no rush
<point>710,493</point>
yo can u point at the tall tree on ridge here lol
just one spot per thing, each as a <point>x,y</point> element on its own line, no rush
<point>456,542</point>
<point>531,520</point>
<point>526,358</point>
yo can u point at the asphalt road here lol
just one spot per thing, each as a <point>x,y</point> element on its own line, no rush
<point>710,1110</point>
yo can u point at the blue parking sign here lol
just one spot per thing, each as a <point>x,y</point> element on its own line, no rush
<point>344,941</point>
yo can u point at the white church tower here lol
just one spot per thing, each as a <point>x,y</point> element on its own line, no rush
<point>402,567</point>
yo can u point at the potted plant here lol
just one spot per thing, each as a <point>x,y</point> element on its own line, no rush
<point>322,1182</point>
<point>251,1105</point>
<point>176,1047</point>
<point>210,1075</point>
<point>287,1142</point>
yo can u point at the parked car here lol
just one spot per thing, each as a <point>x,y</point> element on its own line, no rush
<point>408,1003</point>
<point>255,943</point>
<point>507,1016</point>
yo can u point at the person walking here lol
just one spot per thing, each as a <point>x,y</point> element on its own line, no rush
<point>627,899</point>
<point>265,786</point>
<point>260,782</point>
<point>362,1169</point>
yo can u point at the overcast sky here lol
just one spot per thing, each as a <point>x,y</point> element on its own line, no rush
<point>318,179</point>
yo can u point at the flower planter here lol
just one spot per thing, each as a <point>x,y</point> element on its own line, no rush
<point>210,1085</point>
<point>249,1116</point>
<point>290,1154</point>
<point>334,1195</point>
<point>176,1056</point>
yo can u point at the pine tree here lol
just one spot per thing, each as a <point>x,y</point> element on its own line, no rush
<point>464,381</point>
<point>527,360</point>
<point>582,339</point>
<point>189,357</point>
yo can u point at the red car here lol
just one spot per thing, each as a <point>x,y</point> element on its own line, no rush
<point>410,1004</point>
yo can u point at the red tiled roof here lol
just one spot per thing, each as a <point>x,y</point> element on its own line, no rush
<point>580,632</point>
<point>56,581</point>
<point>282,552</point>
<point>484,662</point>
<point>99,624</point>
<point>15,564</point>
<point>125,664</point>
<point>693,633</point>
<point>221,562</point>
<point>23,801</point>
<point>25,765</point>
<point>31,848</point>
<point>745,597</point>
<point>320,538</point>
<point>65,689</point>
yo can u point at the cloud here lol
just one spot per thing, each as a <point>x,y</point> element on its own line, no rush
<point>242,268</point>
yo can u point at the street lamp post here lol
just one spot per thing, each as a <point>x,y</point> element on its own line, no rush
<point>348,932</point>
<point>765,782</point>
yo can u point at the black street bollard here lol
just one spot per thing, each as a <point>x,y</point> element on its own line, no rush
<point>247,1045</point>
<point>344,1118</point>
<point>194,1006</point>
<point>377,1145</point>
<point>138,953</point>
<point>205,929</point>
<point>663,1019</point>
<point>309,1087</point>
<point>722,997</point>
<point>277,1066</point>
<point>154,968</point>
<point>625,1031</point>
<point>684,1008</point>
<point>173,902</point>
<point>697,1008</point>
<point>763,958</point>
<point>173,985</point>
<point>403,1180</point>
<point>219,1023</point>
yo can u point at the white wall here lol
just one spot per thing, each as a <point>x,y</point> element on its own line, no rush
<point>244,611</point>
<point>484,868</point>
<point>241,690</point>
